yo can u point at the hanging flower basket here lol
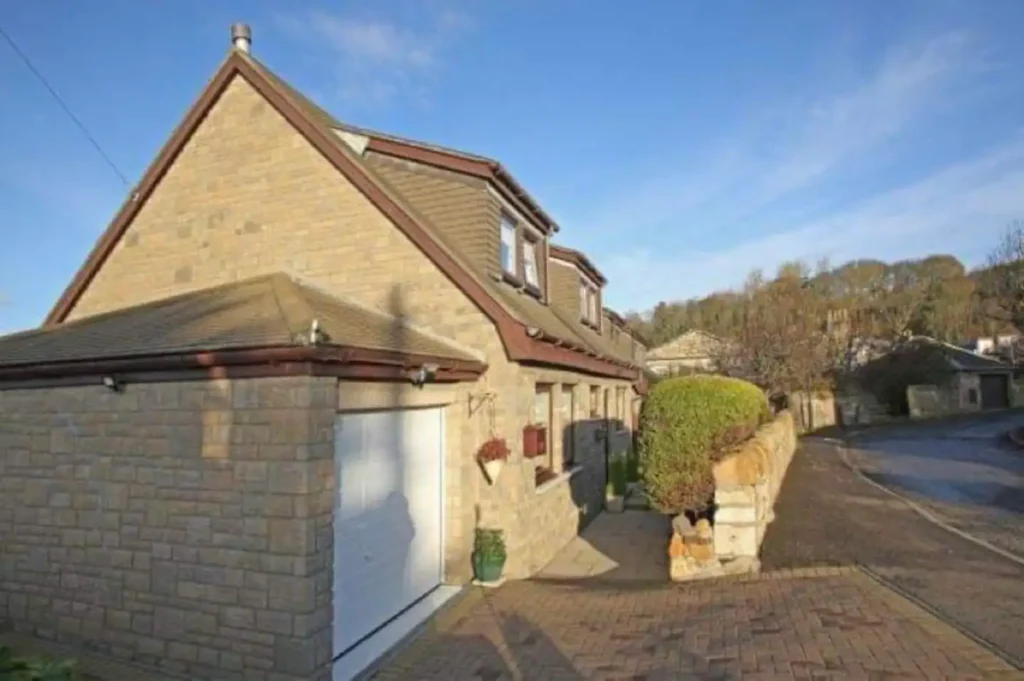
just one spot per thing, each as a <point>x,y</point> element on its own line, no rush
<point>535,441</point>
<point>492,456</point>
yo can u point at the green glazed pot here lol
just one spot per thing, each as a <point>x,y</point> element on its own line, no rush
<point>487,568</point>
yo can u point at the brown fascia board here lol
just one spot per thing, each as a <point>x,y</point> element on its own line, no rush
<point>467,165</point>
<point>342,362</point>
<point>615,318</point>
<point>518,345</point>
<point>580,260</point>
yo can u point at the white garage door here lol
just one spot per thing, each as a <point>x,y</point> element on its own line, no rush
<point>388,517</point>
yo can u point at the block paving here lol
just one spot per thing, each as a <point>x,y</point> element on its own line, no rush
<point>819,623</point>
<point>926,605</point>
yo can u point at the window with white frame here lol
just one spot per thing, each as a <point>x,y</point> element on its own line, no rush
<point>530,274</point>
<point>589,308</point>
<point>508,244</point>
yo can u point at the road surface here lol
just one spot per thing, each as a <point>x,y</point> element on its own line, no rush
<point>965,471</point>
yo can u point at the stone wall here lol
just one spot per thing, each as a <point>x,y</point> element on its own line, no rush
<point>860,408</point>
<point>812,411</point>
<point>926,401</point>
<point>953,397</point>
<point>181,525</point>
<point>747,483</point>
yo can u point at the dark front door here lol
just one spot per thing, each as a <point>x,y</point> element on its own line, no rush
<point>994,391</point>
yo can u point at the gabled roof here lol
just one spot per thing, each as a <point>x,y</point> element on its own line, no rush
<point>460,162</point>
<point>430,154</point>
<point>964,360</point>
<point>267,312</point>
<point>517,330</point>
<point>579,259</point>
<point>689,342</point>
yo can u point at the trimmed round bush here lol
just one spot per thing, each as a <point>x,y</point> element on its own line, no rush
<point>688,423</point>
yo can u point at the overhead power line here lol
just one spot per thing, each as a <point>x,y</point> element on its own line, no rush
<point>63,105</point>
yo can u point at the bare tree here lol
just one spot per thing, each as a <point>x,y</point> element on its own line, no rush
<point>1001,285</point>
<point>782,343</point>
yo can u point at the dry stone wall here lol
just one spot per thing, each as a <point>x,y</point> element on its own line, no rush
<point>747,483</point>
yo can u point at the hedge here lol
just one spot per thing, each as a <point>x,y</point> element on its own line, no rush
<point>686,424</point>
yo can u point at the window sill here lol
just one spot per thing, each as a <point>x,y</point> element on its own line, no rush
<point>532,289</point>
<point>512,279</point>
<point>557,481</point>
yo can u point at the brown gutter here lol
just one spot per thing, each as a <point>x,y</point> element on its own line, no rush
<point>338,361</point>
<point>615,318</point>
<point>547,345</point>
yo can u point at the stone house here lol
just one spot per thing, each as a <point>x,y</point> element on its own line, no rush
<point>242,445</point>
<point>694,350</point>
<point>969,382</point>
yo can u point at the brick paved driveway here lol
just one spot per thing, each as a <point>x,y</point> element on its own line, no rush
<point>790,623</point>
<point>826,515</point>
<point>831,626</point>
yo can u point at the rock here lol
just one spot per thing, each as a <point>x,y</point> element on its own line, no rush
<point>701,551</point>
<point>704,530</point>
<point>677,547</point>
<point>680,569</point>
<point>681,526</point>
<point>687,569</point>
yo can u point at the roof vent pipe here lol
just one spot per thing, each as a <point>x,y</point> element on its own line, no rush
<point>241,37</point>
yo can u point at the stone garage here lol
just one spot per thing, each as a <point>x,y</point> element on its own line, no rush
<point>185,509</point>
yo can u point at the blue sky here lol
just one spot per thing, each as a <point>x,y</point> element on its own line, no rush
<point>680,144</point>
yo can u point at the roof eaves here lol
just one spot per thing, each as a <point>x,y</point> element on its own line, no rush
<point>579,259</point>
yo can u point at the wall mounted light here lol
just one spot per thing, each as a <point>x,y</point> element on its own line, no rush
<point>425,374</point>
<point>111,383</point>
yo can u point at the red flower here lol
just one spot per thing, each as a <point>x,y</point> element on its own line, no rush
<point>495,449</point>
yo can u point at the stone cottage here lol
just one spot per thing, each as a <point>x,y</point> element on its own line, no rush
<point>242,445</point>
<point>694,350</point>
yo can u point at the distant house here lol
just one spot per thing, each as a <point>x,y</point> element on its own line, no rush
<point>1006,347</point>
<point>973,382</point>
<point>694,350</point>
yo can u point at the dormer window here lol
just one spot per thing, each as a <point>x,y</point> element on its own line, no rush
<point>530,274</point>
<point>508,245</point>
<point>521,255</point>
<point>590,304</point>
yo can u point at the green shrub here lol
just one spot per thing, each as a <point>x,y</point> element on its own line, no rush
<point>489,544</point>
<point>617,476</point>
<point>632,466</point>
<point>34,668</point>
<point>686,424</point>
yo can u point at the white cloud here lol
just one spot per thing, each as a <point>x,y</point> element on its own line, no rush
<point>377,58</point>
<point>802,141</point>
<point>960,208</point>
<point>792,178</point>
